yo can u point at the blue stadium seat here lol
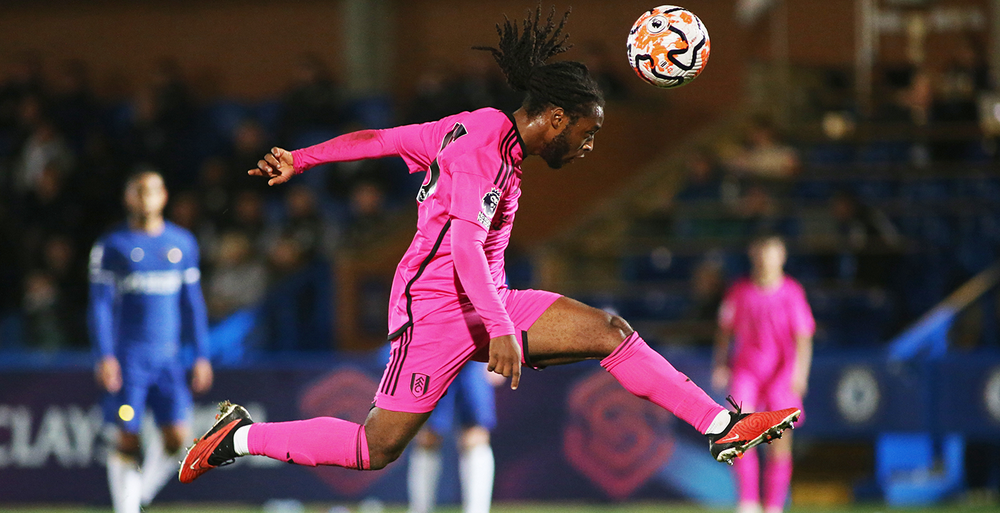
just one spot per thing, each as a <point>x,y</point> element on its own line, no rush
<point>812,189</point>
<point>831,153</point>
<point>875,189</point>
<point>911,474</point>
<point>224,116</point>
<point>884,152</point>
<point>658,264</point>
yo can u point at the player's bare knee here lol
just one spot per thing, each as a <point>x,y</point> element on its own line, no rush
<point>428,439</point>
<point>475,436</point>
<point>128,445</point>
<point>380,456</point>
<point>617,330</point>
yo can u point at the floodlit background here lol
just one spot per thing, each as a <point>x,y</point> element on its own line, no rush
<point>863,131</point>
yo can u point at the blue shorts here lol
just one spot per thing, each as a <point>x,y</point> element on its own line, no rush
<point>468,402</point>
<point>162,386</point>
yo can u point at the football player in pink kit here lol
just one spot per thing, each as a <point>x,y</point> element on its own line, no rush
<point>449,303</point>
<point>769,362</point>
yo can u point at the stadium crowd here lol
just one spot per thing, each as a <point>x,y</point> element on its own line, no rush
<point>65,153</point>
<point>841,191</point>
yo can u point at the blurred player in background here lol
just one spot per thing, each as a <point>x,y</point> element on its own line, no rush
<point>470,403</point>
<point>450,303</point>
<point>768,365</point>
<point>144,290</point>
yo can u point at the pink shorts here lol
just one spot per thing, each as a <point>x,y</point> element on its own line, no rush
<point>756,395</point>
<point>429,353</point>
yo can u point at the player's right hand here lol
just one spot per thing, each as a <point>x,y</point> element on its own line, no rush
<point>505,359</point>
<point>109,374</point>
<point>277,166</point>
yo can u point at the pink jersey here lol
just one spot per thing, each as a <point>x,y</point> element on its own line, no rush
<point>472,161</point>
<point>765,324</point>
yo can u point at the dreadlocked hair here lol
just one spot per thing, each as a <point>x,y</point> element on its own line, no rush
<point>522,55</point>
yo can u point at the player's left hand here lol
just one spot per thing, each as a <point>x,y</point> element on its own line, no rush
<point>800,384</point>
<point>201,376</point>
<point>505,359</point>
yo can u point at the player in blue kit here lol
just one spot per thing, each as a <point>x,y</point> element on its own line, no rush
<point>144,291</point>
<point>469,403</point>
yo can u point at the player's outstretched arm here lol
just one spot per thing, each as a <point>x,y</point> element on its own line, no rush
<point>280,165</point>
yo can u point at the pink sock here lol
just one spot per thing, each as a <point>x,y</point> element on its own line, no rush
<point>747,471</point>
<point>646,374</point>
<point>777,479</point>
<point>318,441</point>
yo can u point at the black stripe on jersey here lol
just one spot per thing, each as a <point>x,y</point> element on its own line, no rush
<point>394,358</point>
<point>503,148</point>
<point>357,449</point>
<point>404,349</point>
<point>404,345</point>
<point>509,158</point>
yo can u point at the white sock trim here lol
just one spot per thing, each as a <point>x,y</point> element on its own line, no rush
<point>241,441</point>
<point>719,424</point>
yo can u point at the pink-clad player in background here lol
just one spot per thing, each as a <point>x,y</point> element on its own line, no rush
<point>771,327</point>
<point>449,302</point>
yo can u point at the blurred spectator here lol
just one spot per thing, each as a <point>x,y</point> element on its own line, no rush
<point>434,96</point>
<point>703,178</point>
<point>74,107</point>
<point>869,236</point>
<point>247,217</point>
<point>11,262</point>
<point>41,306</point>
<point>238,279</point>
<point>23,80</point>
<point>341,183</point>
<point>43,149</point>
<point>861,226</point>
<point>215,191</point>
<point>186,211</point>
<point>171,96</point>
<point>757,210</point>
<point>49,209</point>
<point>313,101</point>
<point>250,143</point>
<point>964,77</point>
<point>146,141</point>
<point>304,224</point>
<point>97,184</point>
<point>907,97</point>
<point>298,307</point>
<point>368,221</point>
<point>50,291</point>
<point>708,285</point>
<point>482,84</point>
<point>595,56</point>
<point>764,155</point>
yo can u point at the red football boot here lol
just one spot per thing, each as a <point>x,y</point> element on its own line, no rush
<point>215,447</point>
<point>746,430</point>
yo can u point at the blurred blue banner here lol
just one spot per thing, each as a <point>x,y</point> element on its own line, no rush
<point>568,433</point>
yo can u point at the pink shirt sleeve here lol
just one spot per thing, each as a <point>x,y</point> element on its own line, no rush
<point>473,270</point>
<point>414,143</point>
<point>474,198</point>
